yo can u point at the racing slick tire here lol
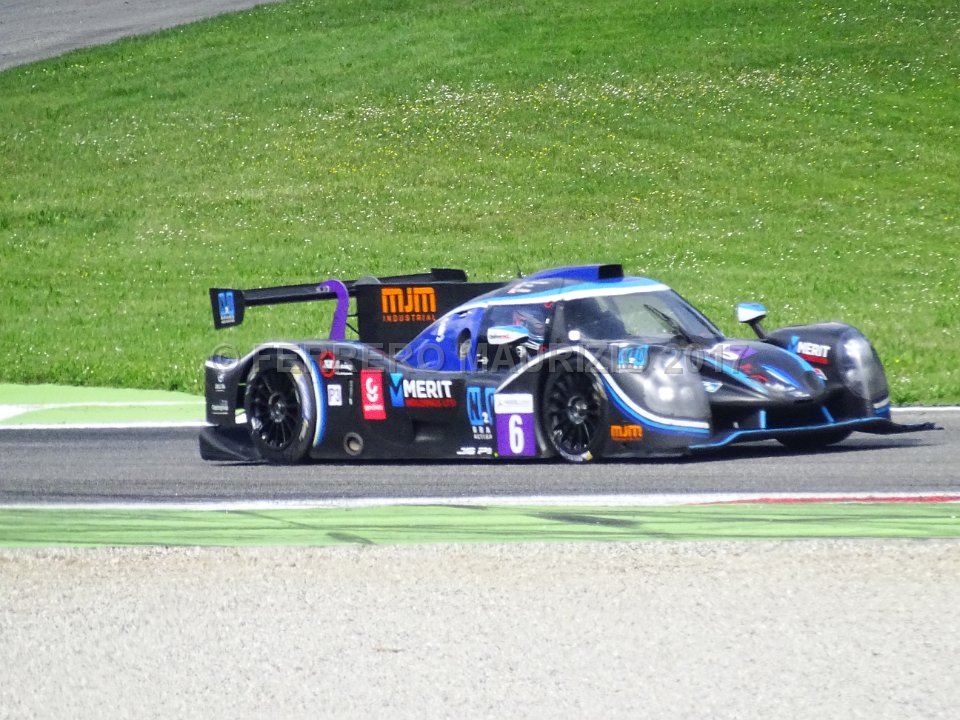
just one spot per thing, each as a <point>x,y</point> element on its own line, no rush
<point>815,440</point>
<point>280,410</point>
<point>574,413</point>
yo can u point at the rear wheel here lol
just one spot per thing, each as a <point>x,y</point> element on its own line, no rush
<point>814,441</point>
<point>574,414</point>
<point>280,408</point>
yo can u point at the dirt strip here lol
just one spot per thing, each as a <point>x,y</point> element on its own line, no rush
<point>789,629</point>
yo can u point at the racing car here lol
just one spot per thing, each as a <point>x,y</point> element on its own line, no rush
<point>577,363</point>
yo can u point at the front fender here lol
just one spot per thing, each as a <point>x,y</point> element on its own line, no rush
<point>848,361</point>
<point>657,402</point>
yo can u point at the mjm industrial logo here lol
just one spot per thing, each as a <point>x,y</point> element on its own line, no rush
<point>408,304</point>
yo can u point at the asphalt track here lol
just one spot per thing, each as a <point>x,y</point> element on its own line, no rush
<point>163,465</point>
<point>37,29</point>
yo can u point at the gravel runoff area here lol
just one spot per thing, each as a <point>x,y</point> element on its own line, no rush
<point>775,629</point>
<point>36,29</point>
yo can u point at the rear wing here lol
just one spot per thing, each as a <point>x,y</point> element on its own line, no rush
<point>388,309</point>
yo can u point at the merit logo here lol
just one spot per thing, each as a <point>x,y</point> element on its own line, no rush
<point>408,304</point>
<point>811,352</point>
<point>421,393</point>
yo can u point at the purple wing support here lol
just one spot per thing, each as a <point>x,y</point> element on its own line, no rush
<point>338,328</point>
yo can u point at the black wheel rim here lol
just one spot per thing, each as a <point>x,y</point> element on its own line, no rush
<point>275,408</point>
<point>574,413</point>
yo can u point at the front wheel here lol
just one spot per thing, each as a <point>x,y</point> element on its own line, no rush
<point>574,414</point>
<point>280,409</point>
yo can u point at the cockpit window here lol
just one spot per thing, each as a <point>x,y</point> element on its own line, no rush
<point>661,315</point>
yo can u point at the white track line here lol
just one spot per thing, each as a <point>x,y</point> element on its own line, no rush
<point>926,409</point>
<point>111,425</point>
<point>107,425</point>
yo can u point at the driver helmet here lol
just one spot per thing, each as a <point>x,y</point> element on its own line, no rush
<point>534,319</point>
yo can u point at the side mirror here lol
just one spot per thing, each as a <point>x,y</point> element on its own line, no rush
<point>507,335</point>
<point>752,314</point>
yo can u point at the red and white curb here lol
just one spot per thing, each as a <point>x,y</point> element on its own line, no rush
<point>638,501</point>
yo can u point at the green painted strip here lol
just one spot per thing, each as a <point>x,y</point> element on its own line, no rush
<point>48,394</point>
<point>85,414</point>
<point>28,405</point>
<point>442,524</point>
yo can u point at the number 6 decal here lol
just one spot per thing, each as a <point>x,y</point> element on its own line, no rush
<point>516,435</point>
<point>515,432</point>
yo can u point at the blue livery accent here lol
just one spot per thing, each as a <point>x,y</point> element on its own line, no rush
<point>782,375</point>
<point>742,377</point>
<point>585,273</point>
<point>320,396</point>
<point>396,389</point>
<point>647,422</point>
<point>767,434</point>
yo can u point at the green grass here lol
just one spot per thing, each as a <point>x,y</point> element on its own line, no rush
<point>799,154</point>
<point>46,527</point>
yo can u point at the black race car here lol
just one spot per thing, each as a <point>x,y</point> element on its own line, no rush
<point>578,363</point>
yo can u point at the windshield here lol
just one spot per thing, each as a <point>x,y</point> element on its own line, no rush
<point>661,315</point>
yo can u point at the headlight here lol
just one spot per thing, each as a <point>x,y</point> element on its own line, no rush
<point>861,370</point>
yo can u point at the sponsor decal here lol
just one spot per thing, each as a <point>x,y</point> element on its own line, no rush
<point>528,287</point>
<point>515,425</point>
<point>480,451</point>
<point>226,306</point>
<point>734,353</point>
<point>220,408</point>
<point>626,433</point>
<point>711,386</point>
<point>633,358</point>
<point>411,393</point>
<point>335,395</point>
<point>408,304</point>
<point>810,351</point>
<point>513,403</point>
<point>507,335</point>
<point>371,393</point>
<point>480,412</point>
<point>330,366</point>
